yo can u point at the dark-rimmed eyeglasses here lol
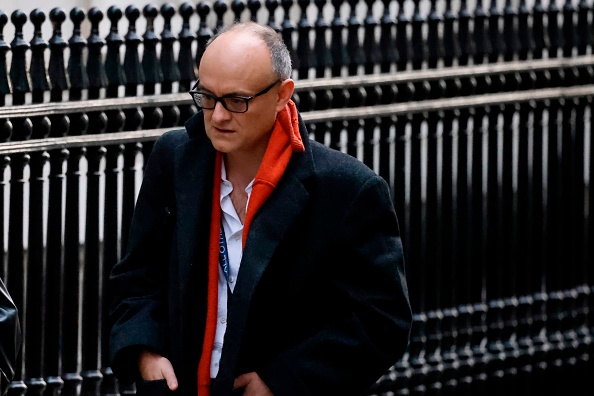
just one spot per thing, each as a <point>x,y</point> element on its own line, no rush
<point>233,103</point>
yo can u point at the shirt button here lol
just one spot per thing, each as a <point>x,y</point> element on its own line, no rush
<point>223,320</point>
<point>231,279</point>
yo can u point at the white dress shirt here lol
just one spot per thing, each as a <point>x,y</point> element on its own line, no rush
<point>233,233</point>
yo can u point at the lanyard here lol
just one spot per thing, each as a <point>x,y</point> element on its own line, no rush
<point>223,253</point>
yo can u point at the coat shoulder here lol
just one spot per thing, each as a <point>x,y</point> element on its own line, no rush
<point>173,138</point>
<point>333,164</point>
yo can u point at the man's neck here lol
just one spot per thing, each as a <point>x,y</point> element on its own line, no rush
<point>241,169</point>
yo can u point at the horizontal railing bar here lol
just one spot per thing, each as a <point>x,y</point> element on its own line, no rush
<point>395,109</point>
<point>462,102</point>
<point>47,144</point>
<point>445,73</point>
<point>174,99</point>
<point>87,106</point>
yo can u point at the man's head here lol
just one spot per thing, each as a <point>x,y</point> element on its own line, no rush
<point>251,61</point>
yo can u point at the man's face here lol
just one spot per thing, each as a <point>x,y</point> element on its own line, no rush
<point>239,64</point>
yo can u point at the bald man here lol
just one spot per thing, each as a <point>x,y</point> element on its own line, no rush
<point>259,262</point>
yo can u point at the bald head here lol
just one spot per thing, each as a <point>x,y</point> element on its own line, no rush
<point>245,36</point>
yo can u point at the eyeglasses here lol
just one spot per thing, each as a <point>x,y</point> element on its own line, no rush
<point>233,103</point>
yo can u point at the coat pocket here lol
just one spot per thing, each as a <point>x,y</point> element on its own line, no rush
<point>153,388</point>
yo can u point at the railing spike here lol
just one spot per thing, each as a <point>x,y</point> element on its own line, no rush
<point>387,45</point>
<point>4,48</point>
<point>354,49</point>
<point>150,62</point>
<point>76,68</point>
<point>220,8</point>
<point>168,64</point>
<point>18,68</point>
<point>254,6</point>
<point>402,41</point>
<point>287,28</point>
<point>271,6</point>
<point>185,59</point>
<point>237,6</point>
<point>132,67</point>
<point>37,70</point>
<point>116,75</point>
<point>56,69</point>
<point>95,66</point>
<point>338,49</point>
<point>204,33</point>
<point>304,58</point>
<point>370,44</point>
<point>322,57</point>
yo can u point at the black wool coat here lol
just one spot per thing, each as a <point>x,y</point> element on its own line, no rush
<point>321,304</point>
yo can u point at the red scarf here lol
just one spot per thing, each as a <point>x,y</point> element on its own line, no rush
<point>284,139</point>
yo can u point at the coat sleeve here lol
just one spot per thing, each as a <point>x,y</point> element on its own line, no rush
<point>349,355</point>
<point>138,311</point>
<point>10,338</point>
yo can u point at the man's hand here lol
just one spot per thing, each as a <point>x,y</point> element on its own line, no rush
<point>153,367</point>
<point>252,384</point>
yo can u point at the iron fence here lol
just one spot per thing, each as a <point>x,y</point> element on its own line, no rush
<point>479,119</point>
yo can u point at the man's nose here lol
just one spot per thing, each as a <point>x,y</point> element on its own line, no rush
<point>220,112</point>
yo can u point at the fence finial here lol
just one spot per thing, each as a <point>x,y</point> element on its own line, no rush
<point>254,6</point>
<point>237,6</point>
<point>38,47</point>
<point>150,62</point>
<point>113,66</point>
<point>185,60</point>
<point>56,70</point>
<point>204,33</point>
<point>304,59</point>
<point>220,8</point>
<point>18,68</point>
<point>132,67</point>
<point>287,29</point>
<point>4,48</point>
<point>271,6</point>
<point>95,67</point>
<point>168,63</point>
<point>76,70</point>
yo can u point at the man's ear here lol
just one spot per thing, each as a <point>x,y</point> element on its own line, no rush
<point>285,93</point>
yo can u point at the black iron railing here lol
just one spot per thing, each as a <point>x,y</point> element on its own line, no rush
<point>480,120</point>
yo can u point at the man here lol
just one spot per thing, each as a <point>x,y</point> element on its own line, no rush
<point>258,261</point>
<point>10,338</point>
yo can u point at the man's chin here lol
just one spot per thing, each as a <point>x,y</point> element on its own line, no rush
<point>220,141</point>
<point>223,147</point>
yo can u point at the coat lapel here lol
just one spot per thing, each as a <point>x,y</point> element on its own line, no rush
<point>268,229</point>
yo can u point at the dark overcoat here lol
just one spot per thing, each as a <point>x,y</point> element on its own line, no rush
<point>321,304</point>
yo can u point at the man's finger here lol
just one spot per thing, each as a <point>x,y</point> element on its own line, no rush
<point>169,375</point>
<point>241,381</point>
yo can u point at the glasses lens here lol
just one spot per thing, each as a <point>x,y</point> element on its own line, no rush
<point>204,100</point>
<point>235,104</point>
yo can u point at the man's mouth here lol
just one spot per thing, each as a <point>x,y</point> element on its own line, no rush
<point>223,130</point>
